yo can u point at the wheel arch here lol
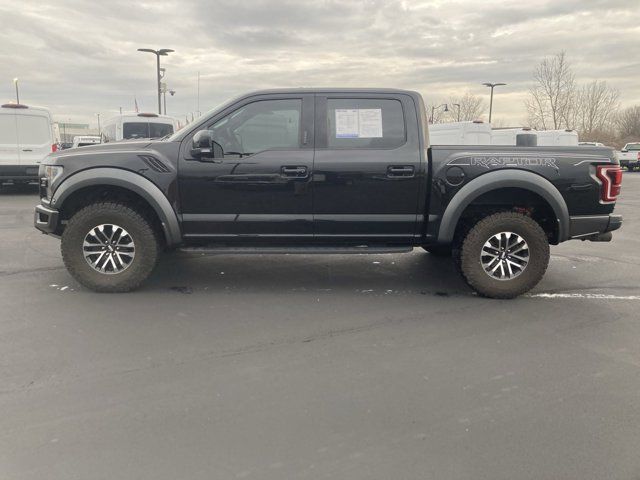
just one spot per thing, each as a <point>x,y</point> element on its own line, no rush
<point>504,179</point>
<point>129,181</point>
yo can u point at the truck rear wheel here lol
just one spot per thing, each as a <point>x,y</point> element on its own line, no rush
<point>109,247</point>
<point>504,255</point>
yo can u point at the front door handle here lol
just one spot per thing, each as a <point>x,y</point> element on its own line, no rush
<point>299,171</point>
<point>400,171</point>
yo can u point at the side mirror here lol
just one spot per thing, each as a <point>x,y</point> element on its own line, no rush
<point>624,151</point>
<point>205,147</point>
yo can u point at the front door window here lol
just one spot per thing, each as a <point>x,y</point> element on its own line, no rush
<point>259,126</point>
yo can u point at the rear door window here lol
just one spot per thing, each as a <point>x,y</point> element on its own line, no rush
<point>33,130</point>
<point>158,130</point>
<point>135,130</point>
<point>365,123</point>
<point>8,132</point>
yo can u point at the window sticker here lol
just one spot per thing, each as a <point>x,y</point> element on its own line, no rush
<point>347,123</point>
<point>358,123</point>
<point>370,123</point>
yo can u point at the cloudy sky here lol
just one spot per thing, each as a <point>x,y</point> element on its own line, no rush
<point>79,57</point>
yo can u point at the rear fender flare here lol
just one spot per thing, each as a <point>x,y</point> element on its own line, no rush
<point>495,181</point>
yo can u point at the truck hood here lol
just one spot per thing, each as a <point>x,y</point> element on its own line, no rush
<point>104,147</point>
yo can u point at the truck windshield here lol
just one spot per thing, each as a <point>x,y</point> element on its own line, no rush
<point>632,146</point>
<point>145,130</point>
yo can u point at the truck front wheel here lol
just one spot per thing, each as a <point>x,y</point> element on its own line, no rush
<point>109,247</point>
<point>504,255</point>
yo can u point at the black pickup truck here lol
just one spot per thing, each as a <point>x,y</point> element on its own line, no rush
<point>323,171</point>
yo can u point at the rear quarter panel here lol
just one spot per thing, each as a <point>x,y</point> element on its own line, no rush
<point>571,170</point>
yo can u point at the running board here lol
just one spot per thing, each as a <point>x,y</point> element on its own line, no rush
<point>306,250</point>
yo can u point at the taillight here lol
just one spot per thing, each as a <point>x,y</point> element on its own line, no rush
<point>611,178</point>
<point>54,147</point>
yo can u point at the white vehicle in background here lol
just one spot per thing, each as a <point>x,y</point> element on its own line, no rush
<point>629,156</point>
<point>131,126</point>
<point>26,138</point>
<point>508,136</point>
<point>460,133</point>
<point>557,138</point>
<point>85,140</point>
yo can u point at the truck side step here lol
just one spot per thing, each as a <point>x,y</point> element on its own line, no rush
<point>328,249</point>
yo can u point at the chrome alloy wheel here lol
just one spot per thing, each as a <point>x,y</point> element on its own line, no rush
<point>504,256</point>
<point>108,249</point>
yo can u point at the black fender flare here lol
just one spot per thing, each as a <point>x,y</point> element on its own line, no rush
<point>504,179</point>
<point>131,181</point>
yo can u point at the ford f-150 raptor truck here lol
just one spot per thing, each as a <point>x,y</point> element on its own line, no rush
<point>323,171</point>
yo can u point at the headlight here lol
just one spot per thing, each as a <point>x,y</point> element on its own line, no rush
<point>49,173</point>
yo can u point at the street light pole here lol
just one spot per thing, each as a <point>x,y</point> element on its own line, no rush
<point>492,86</point>
<point>433,109</point>
<point>158,53</point>
<point>15,82</point>
<point>99,129</point>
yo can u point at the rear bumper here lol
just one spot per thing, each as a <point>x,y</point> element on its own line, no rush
<point>19,172</point>
<point>589,227</point>
<point>46,219</point>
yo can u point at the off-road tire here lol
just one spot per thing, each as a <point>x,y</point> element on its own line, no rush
<point>439,250</point>
<point>147,246</point>
<point>471,266</point>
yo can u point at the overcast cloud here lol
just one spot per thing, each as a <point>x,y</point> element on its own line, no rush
<point>79,57</point>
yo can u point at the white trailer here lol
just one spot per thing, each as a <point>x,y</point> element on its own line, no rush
<point>460,133</point>
<point>557,138</point>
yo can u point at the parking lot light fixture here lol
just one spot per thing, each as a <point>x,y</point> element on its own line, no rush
<point>492,86</point>
<point>158,53</point>
<point>433,109</point>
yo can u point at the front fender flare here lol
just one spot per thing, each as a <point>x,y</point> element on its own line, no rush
<point>131,181</point>
<point>503,179</point>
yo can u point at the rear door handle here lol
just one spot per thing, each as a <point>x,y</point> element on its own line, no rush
<point>404,171</point>
<point>299,171</point>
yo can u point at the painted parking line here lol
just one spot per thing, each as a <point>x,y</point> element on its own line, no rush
<point>597,296</point>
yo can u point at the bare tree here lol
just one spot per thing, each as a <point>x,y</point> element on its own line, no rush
<point>628,122</point>
<point>596,107</point>
<point>551,99</point>
<point>471,108</point>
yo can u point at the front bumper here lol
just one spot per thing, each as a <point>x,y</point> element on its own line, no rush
<point>589,227</point>
<point>46,219</point>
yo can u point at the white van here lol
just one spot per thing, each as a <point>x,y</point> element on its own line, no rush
<point>26,138</point>
<point>557,138</point>
<point>460,133</point>
<point>507,136</point>
<point>85,140</point>
<point>130,126</point>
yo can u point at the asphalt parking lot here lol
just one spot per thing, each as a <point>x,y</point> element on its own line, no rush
<point>296,367</point>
